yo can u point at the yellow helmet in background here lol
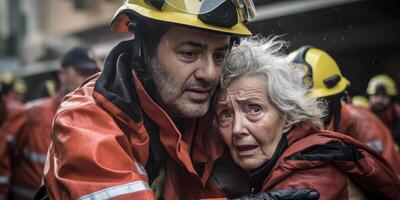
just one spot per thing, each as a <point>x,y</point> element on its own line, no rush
<point>51,87</point>
<point>10,82</point>
<point>19,86</point>
<point>382,81</point>
<point>360,101</point>
<point>322,74</point>
<point>225,16</point>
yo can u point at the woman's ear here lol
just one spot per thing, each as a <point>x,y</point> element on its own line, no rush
<point>287,125</point>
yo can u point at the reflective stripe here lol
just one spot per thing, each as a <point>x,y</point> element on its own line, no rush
<point>377,145</point>
<point>24,192</point>
<point>116,191</point>
<point>34,156</point>
<point>4,180</point>
<point>140,169</point>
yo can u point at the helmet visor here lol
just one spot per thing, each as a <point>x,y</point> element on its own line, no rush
<point>245,8</point>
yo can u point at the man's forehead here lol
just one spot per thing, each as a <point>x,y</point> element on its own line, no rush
<point>203,38</point>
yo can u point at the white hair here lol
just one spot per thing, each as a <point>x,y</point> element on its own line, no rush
<point>285,88</point>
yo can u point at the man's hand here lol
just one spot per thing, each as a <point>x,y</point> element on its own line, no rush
<point>287,194</point>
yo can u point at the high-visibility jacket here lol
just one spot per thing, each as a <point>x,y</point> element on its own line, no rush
<point>32,140</point>
<point>391,118</point>
<point>12,108</point>
<point>101,144</point>
<point>326,161</point>
<point>366,128</point>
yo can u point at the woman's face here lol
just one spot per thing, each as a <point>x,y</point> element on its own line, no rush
<point>249,124</point>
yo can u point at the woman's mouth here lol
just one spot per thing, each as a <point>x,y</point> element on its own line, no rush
<point>246,150</point>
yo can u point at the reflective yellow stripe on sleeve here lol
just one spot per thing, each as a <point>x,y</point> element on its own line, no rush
<point>115,191</point>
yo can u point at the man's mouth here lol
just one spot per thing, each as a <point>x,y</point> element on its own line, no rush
<point>199,94</point>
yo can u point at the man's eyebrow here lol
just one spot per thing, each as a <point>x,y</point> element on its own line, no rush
<point>193,44</point>
<point>201,45</point>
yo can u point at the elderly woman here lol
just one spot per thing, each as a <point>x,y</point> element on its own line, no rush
<point>274,132</point>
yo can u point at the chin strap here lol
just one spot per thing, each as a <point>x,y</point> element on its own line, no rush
<point>138,60</point>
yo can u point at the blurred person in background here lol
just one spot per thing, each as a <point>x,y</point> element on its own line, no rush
<point>382,93</point>
<point>324,78</point>
<point>273,130</point>
<point>360,101</point>
<point>12,91</point>
<point>14,88</point>
<point>32,126</point>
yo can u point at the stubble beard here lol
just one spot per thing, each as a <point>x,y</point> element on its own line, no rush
<point>170,95</point>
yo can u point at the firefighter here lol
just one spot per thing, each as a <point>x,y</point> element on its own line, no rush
<point>11,104</point>
<point>382,93</point>
<point>140,129</point>
<point>273,130</point>
<point>360,101</point>
<point>326,82</point>
<point>32,126</point>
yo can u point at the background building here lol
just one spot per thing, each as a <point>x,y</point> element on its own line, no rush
<point>362,35</point>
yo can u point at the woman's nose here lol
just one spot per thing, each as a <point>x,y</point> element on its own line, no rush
<point>239,127</point>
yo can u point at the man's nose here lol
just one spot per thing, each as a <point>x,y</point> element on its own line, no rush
<point>208,71</point>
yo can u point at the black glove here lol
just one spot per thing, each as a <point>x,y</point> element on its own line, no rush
<point>287,194</point>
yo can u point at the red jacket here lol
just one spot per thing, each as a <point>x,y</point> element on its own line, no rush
<point>32,140</point>
<point>299,167</point>
<point>12,107</point>
<point>366,128</point>
<point>391,118</point>
<point>100,143</point>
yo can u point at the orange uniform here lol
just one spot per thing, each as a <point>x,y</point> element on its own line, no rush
<point>12,108</point>
<point>32,139</point>
<point>326,161</point>
<point>366,128</point>
<point>101,146</point>
<point>391,118</point>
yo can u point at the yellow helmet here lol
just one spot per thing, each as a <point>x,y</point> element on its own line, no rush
<point>225,16</point>
<point>360,101</point>
<point>322,74</point>
<point>19,86</point>
<point>384,81</point>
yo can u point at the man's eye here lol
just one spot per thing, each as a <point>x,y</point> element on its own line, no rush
<point>219,57</point>
<point>189,54</point>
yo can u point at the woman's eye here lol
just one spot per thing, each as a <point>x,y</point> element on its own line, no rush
<point>224,115</point>
<point>254,109</point>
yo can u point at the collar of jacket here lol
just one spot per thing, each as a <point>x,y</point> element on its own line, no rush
<point>300,131</point>
<point>345,119</point>
<point>117,84</point>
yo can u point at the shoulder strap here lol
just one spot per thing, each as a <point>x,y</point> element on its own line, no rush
<point>329,152</point>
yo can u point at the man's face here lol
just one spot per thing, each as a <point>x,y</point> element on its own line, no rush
<point>379,101</point>
<point>186,70</point>
<point>72,79</point>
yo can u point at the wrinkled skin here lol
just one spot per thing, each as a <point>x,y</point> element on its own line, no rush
<point>186,70</point>
<point>249,123</point>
